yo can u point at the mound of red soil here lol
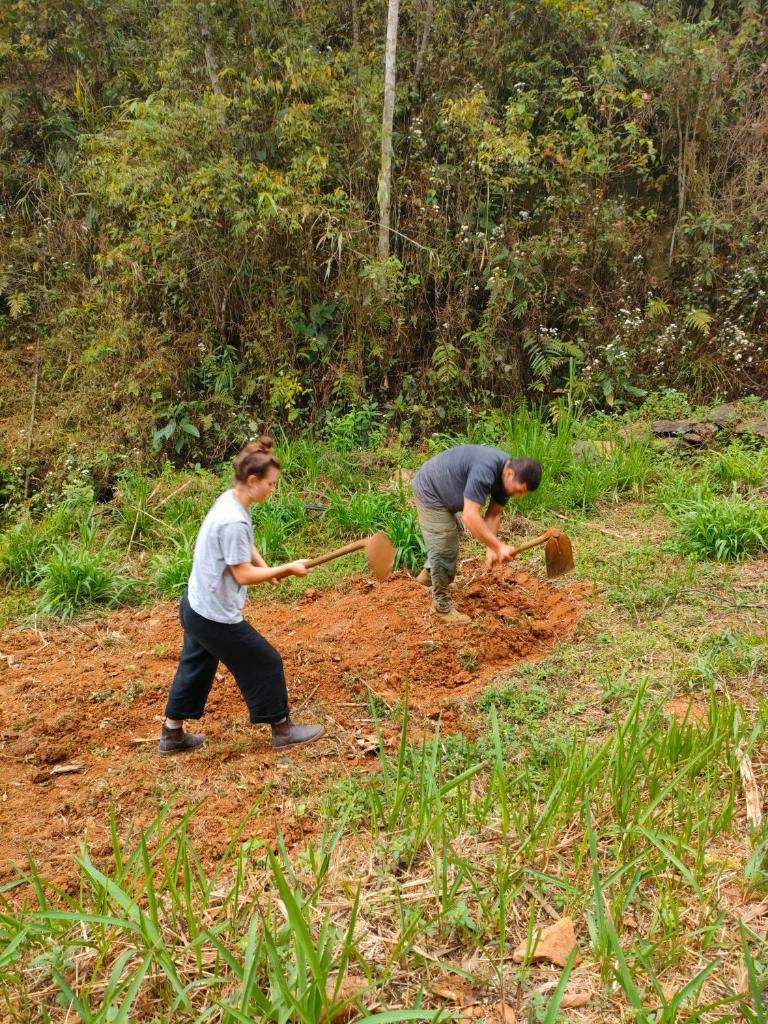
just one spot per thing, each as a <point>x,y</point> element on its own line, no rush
<point>81,706</point>
<point>385,634</point>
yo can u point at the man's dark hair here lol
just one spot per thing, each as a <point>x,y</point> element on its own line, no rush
<point>527,471</point>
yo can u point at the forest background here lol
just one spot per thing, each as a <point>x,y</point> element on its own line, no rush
<point>188,234</point>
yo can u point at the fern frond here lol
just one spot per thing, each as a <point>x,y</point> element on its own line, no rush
<point>699,320</point>
<point>657,309</point>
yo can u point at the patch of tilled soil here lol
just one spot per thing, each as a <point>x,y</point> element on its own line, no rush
<point>80,706</point>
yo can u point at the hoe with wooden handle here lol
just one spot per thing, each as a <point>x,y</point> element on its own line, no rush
<point>379,550</point>
<point>558,553</point>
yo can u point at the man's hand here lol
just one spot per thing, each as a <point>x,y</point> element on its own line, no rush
<point>495,557</point>
<point>297,568</point>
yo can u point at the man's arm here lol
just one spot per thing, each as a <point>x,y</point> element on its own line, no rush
<point>493,516</point>
<point>480,529</point>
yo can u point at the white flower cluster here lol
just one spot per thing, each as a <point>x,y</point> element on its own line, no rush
<point>736,344</point>
<point>631,318</point>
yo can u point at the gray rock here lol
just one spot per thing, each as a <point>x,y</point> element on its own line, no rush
<point>672,428</point>
<point>758,427</point>
<point>701,433</point>
<point>724,415</point>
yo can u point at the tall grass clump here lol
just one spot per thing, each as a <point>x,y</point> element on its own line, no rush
<point>402,528</point>
<point>739,464</point>
<point>275,523</point>
<point>725,528</point>
<point>133,516</point>
<point>23,550</point>
<point>169,569</point>
<point>75,578</point>
<point>73,513</point>
<point>357,513</point>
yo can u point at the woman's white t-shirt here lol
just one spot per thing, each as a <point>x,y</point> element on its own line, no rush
<point>225,538</point>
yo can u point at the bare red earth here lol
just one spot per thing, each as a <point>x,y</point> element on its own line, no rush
<point>90,695</point>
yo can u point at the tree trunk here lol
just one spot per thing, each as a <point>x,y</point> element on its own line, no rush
<point>32,414</point>
<point>385,178</point>
<point>428,16</point>
<point>210,55</point>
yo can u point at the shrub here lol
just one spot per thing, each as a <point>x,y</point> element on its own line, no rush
<point>358,428</point>
<point>76,578</point>
<point>724,528</point>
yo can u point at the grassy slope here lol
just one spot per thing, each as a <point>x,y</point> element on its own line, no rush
<point>580,796</point>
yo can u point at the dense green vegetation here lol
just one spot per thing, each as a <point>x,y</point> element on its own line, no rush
<point>64,551</point>
<point>187,236</point>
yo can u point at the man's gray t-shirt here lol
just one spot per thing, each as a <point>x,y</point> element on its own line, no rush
<point>467,471</point>
<point>225,538</point>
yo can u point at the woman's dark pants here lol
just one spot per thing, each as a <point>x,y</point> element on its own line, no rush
<point>252,660</point>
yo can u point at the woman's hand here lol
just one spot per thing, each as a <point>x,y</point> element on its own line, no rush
<point>297,568</point>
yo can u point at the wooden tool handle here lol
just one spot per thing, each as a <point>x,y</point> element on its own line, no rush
<point>356,545</point>
<point>541,539</point>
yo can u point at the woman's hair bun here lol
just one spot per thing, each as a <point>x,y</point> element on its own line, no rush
<point>255,459</point>
<point>263,445</point>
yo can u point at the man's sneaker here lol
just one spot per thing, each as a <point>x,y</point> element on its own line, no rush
<point>424,578</point>
<point>174,741</point>
<point>296,735</point>
<point>453,617</point>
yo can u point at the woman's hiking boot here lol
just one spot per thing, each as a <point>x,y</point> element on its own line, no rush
<point>174,741</point>
<point>286,734</point>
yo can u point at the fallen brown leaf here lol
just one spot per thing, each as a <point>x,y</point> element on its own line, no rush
<point>348,991</point>
<point>495,1013</point>
<point>571,1000</point>
<point>455,990</point>
<point>554,944</point>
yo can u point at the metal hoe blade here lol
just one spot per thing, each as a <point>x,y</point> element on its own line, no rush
<point>558,555</point>
<point>380,552</point>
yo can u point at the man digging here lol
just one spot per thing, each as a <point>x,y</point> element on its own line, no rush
<point>461,480</point>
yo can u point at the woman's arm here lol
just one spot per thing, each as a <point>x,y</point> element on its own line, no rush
<point>256,557</point>
<point>247,574</point>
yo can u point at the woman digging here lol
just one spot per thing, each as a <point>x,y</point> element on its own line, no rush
<point>225,563</point>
